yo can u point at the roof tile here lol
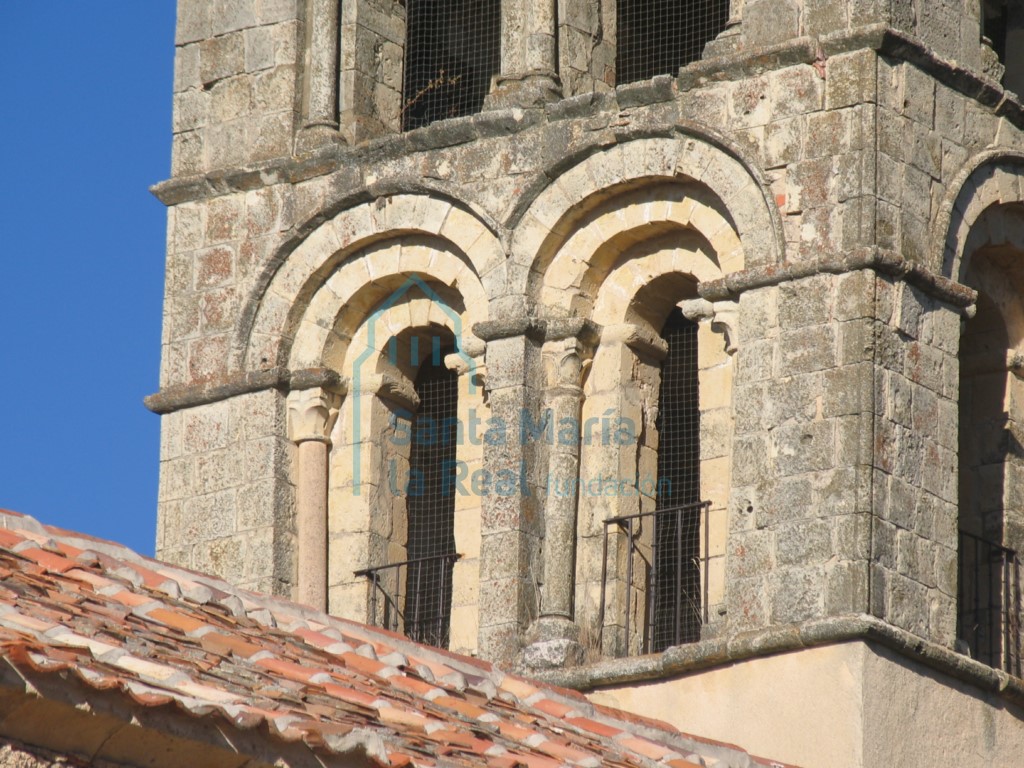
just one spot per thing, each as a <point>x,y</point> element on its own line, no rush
<point>121,622</point>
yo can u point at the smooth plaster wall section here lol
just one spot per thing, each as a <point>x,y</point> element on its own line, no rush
<point>852,705</point>
<point>913,716</point>
<point>817,691</point>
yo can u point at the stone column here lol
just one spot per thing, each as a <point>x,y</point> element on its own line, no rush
<point>323,63</point>
<point>311,414</point>
<point>511,527</point>
<point>529,55</point>
<point>554,637</point>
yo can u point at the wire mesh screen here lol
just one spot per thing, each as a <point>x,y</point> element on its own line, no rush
<point>430,504</point>
<point>657,37</point>
<point>676,603</point>
<point>452,49</point>
<point>989,603</point>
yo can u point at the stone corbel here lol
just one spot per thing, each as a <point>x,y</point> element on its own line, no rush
<point>311,414</point>
<point>725,318</point>
<point>395,389</point>
<point>1015,362</point>
<point>637,338</point>
<point>470,361</point>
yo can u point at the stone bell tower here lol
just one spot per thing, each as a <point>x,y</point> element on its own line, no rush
<point>653,347</point>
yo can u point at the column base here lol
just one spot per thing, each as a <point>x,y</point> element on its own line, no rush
<point>524,91</point>
<point>553,642</point>
<point>317,135</point>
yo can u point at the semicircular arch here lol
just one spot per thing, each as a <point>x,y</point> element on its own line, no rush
<point>278,310</point>
<point>991,179</point>
<point>738,196</point>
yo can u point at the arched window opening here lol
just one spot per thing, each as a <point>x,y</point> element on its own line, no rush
<point>657,37</point>
<point>430,500</point>
<point>412,592</point>
<point>991,456</point>
<point>1002,25</point>
<point>453,49</point>
<point>676,578</point>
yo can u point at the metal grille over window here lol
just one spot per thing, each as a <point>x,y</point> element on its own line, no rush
<point>657,37</point>
<point>989,600</point>
<point>677,578</point>
<point>415,595</point>
<point>453,48</point>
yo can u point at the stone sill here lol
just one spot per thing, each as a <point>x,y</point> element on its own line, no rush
<point>695,657</point>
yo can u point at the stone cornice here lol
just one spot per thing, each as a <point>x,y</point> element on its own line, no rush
<point>446,133</point>
<point>869,257</point>
<point>694,657</point>
<point>180,396</point>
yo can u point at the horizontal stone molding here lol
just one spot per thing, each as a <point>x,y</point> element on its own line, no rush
<point>504,122</point>
<point>877,37</point>
<point>883,261</point>
<point>707,654</point>
<point>181,396</point>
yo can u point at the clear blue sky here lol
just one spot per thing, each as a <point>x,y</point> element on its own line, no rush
<point>85,129</point>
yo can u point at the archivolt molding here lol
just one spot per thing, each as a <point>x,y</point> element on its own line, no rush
<point>619,290</point>
<point>740,198</point>
<point>338,310</point>
<point>991,178</point>
<point>285,302</point>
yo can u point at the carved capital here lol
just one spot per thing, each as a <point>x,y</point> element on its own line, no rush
<point>311,414</point>
<point>569,359</point>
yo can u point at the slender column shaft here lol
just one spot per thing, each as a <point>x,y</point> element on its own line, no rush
<point>311,523</point>
<point>560,508</point>
<point>322,63</point>
<point>529,54</point>
<point>311,414</point>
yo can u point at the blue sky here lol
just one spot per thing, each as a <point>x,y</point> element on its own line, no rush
<point>85,129</point>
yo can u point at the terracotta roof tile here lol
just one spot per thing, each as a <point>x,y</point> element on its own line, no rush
<point>163,636</point>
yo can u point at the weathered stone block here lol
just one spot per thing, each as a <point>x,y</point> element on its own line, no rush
<point>767,22</point>
<point>850,78</point>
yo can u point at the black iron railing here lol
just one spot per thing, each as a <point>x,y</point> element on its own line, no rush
<point>660,579</point>
<point>413,597</point>
<point>989,602</point>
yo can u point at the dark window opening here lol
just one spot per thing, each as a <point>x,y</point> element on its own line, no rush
<point>676,579</point>
<point>657,37</point>
<point>1003,25</point>
<point>994,24</point>
<point>430,505</point>
<point>452,50</point>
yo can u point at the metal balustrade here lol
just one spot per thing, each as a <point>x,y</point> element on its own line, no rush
<point>413,597</point>
<point>989,602</point>
<point>659,579</point>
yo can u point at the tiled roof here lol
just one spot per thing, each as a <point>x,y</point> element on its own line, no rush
<point>95,615</point>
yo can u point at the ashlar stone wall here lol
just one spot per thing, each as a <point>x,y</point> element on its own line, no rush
<point>811,202</point>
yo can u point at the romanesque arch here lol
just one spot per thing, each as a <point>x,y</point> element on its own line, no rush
<point>373,294</point>
<point>264,340</point>
<point>984,249</point>
<point>727,196</point>
<point>623,240</point>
